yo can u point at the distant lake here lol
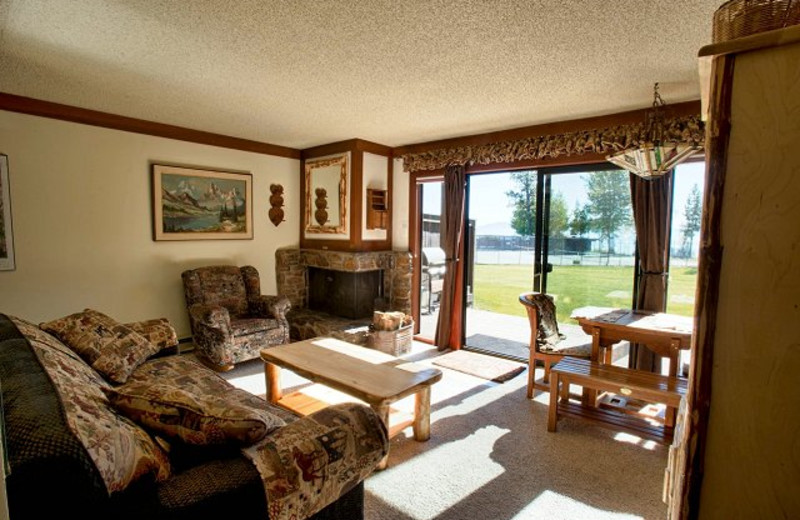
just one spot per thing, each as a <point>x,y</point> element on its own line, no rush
<point>196,223</point>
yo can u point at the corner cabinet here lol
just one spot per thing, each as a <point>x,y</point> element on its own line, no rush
<point>744,403</point>
<point>346,191</point>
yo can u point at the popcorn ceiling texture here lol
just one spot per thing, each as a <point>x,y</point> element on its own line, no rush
<point>305,73</point>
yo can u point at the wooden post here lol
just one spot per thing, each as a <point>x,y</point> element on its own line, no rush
<point>422,414</point>
<point>382,410</point>
<point>272,374</point>
<point>552,412</point>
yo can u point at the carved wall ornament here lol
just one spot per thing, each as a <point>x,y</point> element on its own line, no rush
<point>688,129</point>
<point>276,201</point>
<point>321,216</point>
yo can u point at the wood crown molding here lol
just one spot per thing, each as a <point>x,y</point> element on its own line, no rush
<point>574,125</point>
<point>37,107</point>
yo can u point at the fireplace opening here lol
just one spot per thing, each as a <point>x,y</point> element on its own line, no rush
<point>345,294</point>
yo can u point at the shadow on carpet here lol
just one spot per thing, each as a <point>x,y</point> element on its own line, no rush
<point>480,365</point>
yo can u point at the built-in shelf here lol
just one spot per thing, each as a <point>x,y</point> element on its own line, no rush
<point>377,209</point>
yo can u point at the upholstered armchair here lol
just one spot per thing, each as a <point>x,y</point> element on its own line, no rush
<point>231,320</point>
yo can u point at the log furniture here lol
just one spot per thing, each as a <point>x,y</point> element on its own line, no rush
<point>635,384</point>
<point>374,377</point>
<point>664,334</point>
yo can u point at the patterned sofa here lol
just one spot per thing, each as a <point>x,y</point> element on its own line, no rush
<point>74,448</point>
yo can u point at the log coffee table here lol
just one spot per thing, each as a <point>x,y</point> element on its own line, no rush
<point>369,375</point>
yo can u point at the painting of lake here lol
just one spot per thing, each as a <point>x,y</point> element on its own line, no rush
<point>193,204</point>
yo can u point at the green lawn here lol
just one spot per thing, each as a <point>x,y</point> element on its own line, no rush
<point>497,288</point>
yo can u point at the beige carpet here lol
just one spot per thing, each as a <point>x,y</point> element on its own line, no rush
<point>480,365</point>
<point>490,457</point>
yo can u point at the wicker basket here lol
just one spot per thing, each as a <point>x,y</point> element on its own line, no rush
<point>738,18</point>
<point>394,342</point>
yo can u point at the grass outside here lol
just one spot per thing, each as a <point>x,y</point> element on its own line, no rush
<point>497,288</point>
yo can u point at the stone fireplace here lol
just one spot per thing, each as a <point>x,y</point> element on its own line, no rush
<point>349,295</point>
<point>335,290</point>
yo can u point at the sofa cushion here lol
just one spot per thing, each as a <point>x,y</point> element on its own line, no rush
<point>111,348</point>
<point>199,419</point>
<point>121,451</point>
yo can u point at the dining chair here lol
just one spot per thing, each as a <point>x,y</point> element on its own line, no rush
<point>547,344</point>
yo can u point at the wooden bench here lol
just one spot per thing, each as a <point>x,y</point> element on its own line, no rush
<point>633,384</point>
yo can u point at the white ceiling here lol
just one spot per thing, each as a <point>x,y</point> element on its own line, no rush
<point>301,73</point>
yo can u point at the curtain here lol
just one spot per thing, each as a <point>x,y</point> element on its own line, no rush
<point>651,201</point>
<point>451,231</point>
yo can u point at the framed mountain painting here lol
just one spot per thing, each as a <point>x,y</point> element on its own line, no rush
<point>6,232</point>
<point>195,204</point>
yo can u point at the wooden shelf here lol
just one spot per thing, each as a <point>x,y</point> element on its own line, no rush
<point>377,209</point>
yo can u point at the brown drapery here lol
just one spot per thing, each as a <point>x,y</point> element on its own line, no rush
<point>455,180</point>
<point>652,213</point>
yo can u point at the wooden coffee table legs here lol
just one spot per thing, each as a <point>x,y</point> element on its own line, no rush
<point>422,406</point>
<point>422,414</point>
<point>272,373</point>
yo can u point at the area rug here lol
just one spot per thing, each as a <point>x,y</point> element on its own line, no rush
<point>480,365</point>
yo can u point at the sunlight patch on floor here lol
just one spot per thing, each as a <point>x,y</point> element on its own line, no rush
<point>450,470</point>
<point>548,504</point>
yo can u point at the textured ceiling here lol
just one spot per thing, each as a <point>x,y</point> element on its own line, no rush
<point>303,73</point>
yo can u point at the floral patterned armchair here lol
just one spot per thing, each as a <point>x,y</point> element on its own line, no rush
<point>231,320</point>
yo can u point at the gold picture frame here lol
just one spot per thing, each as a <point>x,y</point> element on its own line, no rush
<point>197,204</point>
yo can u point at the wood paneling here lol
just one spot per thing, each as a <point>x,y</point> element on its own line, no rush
<point>746,357</point>
<point>355,197</point>
<point>41,108</point>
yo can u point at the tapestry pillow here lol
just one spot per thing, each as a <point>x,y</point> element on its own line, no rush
<point>111,348</point>
<point>193,418</point>
<point>159,332</point>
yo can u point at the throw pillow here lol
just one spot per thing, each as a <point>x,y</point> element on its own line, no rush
<point>111,348</point>
<point>194,419</point>
<point>158,331</point>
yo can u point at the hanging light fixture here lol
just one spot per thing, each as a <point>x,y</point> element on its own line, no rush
<point>657,154</point>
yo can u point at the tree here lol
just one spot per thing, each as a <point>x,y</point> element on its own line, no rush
<point>609,205</point>
<point>579,225</point>
<point>559,215</point>
<point>692,213</point>
<point>524,201</point>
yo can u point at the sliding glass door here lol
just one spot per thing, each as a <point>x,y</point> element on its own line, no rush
<point>431,266</point>
<point>564,232</point>
<point>590,240</point>
<point>501,259</point>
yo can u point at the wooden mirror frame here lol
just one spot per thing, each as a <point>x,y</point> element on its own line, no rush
<point>310,225</point>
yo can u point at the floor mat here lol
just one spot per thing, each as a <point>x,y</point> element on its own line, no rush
<point>479,365</point>
<point>506,348</point>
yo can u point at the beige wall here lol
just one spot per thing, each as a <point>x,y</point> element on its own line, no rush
<point>81,203</point>
<point>399,207</point>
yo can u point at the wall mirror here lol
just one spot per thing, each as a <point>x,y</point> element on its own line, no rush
<point>326,180</point>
